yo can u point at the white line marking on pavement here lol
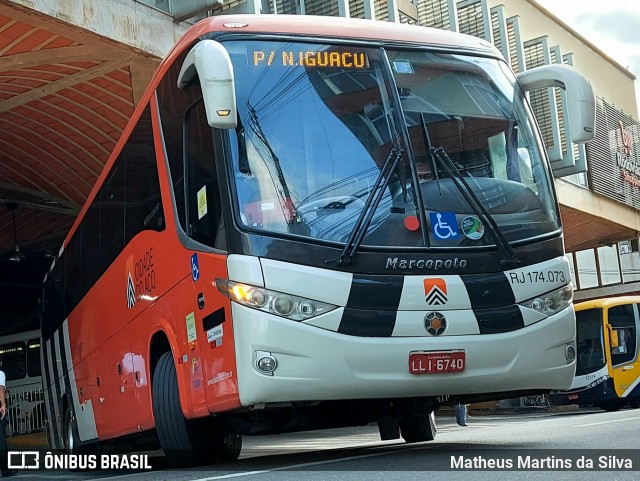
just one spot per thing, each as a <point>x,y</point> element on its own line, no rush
<point>304,465</point>
<point>605,422</point>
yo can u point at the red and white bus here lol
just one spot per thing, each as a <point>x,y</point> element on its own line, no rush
<point>312,222</point>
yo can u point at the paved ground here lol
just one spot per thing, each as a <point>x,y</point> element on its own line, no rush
<point>39,440</point>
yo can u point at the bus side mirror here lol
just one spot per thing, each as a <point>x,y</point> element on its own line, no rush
<point>581,104</point>
<point>210,62</point>
<point>613,337</point>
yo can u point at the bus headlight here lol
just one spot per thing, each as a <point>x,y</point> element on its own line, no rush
<point>284,305</point>
<point>551,302</point>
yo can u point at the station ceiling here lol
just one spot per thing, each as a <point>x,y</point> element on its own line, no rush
<point>65,96</point>
<point>583,230</point>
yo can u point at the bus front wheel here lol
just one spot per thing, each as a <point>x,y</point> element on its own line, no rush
<point>186,442</point>
<point>416,428</point>
<point>613,405</point>
<point>229,447</point>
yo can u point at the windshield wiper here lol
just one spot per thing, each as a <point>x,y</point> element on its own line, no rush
<point>370,206</point>
<point>390,165</point>
<point>509,257</point>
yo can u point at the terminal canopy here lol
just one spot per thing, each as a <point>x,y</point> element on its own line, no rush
<point>65,97</point>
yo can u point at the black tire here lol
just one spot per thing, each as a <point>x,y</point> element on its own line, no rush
<point>215,440</point>
<point>186,443</point>
<point>229,448</point>
<point>389,428</point>
<point>69,442</point>
<point>613,405</point>
<point>417,428</point>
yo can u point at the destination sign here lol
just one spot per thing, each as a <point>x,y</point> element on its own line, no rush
<point>312,59</point>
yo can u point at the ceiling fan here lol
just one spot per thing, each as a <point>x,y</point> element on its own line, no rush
<point>16,256</point>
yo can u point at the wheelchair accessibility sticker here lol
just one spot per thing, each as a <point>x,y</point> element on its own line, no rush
<point>195,268</point>
<point>444,225</point>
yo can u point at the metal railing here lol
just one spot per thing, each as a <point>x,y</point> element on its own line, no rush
<point>540,401</point>
<point>25,409</point>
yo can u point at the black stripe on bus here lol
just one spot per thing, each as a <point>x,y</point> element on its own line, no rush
<point>66,379</point>
<point>367,323</point>
<point>488,290</point>
<point>63,359</point>
<point>52,421</point>
<point>499,319</point>
<point>375,292</point>
<point>65,372</point>
<point>58,388</point>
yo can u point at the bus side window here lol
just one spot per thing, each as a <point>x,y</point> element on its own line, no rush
<point>111,199</point>
<point>623,322</point>
<point>143,205</point>
<point>53,308</point>
<point>203,194</point>
<point>34,368</point>
<point>171,104</point>
<point>200,182</point>
<point>90,248</point>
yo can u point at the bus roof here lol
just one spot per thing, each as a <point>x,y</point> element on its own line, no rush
<point>607,302</point>
<point>339,27</point>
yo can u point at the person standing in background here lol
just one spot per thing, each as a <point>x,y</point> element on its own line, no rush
<point>461,414</point>
<point>4,450</point>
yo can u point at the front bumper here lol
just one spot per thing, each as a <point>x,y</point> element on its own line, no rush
<point>316,364</point>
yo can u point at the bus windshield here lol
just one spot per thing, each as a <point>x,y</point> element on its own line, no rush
<point>589,340</point>
<point>320,126</point>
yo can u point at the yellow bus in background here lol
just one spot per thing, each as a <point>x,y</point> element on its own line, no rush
<point>607,370</point>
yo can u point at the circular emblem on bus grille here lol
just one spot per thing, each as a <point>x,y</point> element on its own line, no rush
<point>435,323</point>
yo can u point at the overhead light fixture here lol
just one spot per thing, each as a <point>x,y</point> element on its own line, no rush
<point>17,256</point>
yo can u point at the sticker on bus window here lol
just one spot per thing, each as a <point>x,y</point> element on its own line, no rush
<point>402,66</point>
<point>191,327</point>
<point>472,227</point>
<point>202,202</point>
<point>444,225</point>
